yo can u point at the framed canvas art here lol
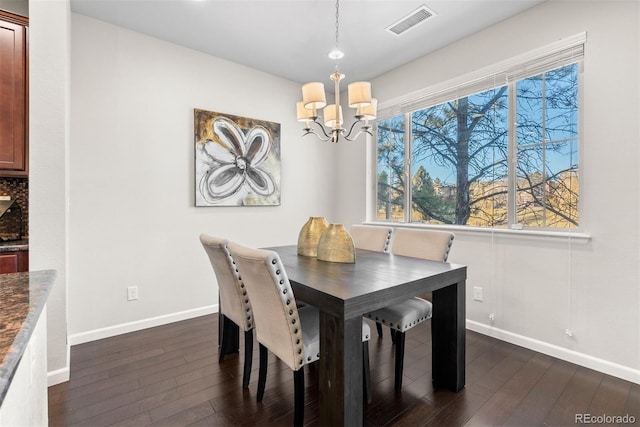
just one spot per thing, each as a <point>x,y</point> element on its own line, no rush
<point>237,160</point>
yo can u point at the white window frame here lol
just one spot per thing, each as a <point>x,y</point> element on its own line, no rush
<point>557,54</point>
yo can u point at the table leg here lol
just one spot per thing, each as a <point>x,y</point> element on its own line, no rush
<point>341,377</point>
<point>448,337</point>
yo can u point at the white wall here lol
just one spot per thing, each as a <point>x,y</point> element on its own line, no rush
<point>48,149</point>
<point>132,215</point>
<point>539,287</point>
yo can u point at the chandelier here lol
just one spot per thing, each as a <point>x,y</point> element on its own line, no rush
<point>313,99</point>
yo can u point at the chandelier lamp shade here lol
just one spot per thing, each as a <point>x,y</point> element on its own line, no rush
<point>330,127</point>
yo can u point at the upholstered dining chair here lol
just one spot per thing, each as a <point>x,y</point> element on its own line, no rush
<point>234,301</point>
<point>372,238</point>
<point>417,243</point>
<point>289,332</point>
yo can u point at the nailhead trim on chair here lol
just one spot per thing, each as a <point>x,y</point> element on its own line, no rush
<point>388,241</point>
<point>401,328</point>
<point>246,303</point>
<point>292,312</point>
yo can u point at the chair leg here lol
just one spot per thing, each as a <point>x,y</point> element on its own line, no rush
<point>379,328</point>
<point>392,332</point>
<point>223,337</point>
<point>399,359</point>
<point>228,333</point>
<point>366,374</point>
<point>298,387</point>
<point>262,373</point>
<point>248,358</point>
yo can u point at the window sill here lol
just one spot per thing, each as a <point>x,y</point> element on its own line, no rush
<point>574,236</point>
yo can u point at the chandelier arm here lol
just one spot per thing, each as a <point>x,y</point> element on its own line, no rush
<point>308,131</point>
<point>319,125</point>
<point>365,129</point>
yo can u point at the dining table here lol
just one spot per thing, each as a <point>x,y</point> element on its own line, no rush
<point>344,292</point>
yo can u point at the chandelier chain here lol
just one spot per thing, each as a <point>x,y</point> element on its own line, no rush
<point>337,23</point>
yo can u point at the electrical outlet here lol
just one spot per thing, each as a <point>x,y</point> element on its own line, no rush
<point>477,293</point>
<point>132,293</point>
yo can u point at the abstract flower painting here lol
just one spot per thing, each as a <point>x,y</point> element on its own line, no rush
<point>237,160</point>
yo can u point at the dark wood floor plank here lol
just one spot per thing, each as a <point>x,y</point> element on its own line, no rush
<point>610,398</point>
<point>459,407</point>
<point>138,420</point>
<point>98,358</point>
<point>194,414</point>
<point>575,397</point>
<point>109,406</point>
<point>85,397</point>
<point>501,372</point>
<point>632,407</point>
<point>504,401</point>
<point>170,376</point>
<point>535,407</point>
<point>114,364</point>
<point>416,415</point>
<point>174,413</point>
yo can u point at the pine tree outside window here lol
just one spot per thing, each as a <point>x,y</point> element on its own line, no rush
<point>505,156</point>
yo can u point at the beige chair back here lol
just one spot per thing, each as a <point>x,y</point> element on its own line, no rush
<point>234,301</point>
<point>277,321</point>
<point>371,237</point>
<point>419,243</point>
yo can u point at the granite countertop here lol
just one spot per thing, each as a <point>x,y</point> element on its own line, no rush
<point>14,245</point>
<point>22,298</point>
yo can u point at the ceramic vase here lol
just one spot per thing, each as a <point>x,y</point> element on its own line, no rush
<point>336,245</point>
<point>310,235</point>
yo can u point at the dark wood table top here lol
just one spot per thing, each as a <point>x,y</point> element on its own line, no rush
<point>375,280</point>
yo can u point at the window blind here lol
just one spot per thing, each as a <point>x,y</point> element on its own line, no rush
<point>563,52</point>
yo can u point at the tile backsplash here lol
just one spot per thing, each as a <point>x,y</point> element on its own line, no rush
<point>18,189</point>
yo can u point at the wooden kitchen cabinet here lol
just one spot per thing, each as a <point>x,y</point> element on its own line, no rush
<point>14,95</point>
<point>14,262</point>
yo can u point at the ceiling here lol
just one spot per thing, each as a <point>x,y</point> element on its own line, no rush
<point>291,38</point>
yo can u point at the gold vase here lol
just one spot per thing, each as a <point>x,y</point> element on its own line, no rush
<point>336,245</point>
<point>310,235</point>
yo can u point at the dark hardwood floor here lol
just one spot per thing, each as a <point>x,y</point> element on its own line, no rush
<point>170,376</point>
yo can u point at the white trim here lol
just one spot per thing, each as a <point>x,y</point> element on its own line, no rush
<point>585,360</point>
<point>58,376</point>
<point>138,325</point>
<point>464,229</point>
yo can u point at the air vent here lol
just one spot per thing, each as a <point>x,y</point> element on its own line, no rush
<point>414,18</point>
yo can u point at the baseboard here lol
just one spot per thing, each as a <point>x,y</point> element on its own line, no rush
<point>601,365</point>
<point>138,325</point>
<point>58,376</point>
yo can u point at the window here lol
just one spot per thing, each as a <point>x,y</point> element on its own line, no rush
<point>547,149</point>
<point>391,168</point>
<point>502,152</point>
